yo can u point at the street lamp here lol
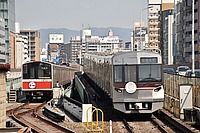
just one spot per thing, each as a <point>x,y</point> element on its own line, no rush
<point>141,24</point>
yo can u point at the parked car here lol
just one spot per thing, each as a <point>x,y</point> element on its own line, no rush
<point>168,70</point>
<point>181,70</point>
<point>195,74</point>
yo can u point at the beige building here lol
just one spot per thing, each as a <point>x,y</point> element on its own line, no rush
<point>12,58</point>
<point>33,43</point>
<point>167,5</point>
<point>154,21</point>
<point>3,69</point>
<point>153,24</point>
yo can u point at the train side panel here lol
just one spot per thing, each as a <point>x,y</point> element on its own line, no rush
<point>100,73</point>
<point>62,74</point>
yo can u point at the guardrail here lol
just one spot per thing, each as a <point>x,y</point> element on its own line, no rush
<point>81,88</point>
<point>74,107</point>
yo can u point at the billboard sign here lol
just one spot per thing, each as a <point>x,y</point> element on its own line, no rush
<point>56,38</point>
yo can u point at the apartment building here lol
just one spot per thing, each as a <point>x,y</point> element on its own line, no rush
<point>167,38</point>
<point>2,42</point>
<point>183,32</point>
<point>7,12</point>
<point>75,44</point>
<point>139,34</point>
<point>21,51</point>
<point>153,23</point>
<point>166,31</point>
<point>7,30</point>
<point>33,43</point>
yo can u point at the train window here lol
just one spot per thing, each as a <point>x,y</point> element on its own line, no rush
<point>44,71</point>
<point>32,72</point>
<point>25,71</point>
<point>118,73</point>
<point>148,60</point>
<point>150,73</point>
<point>130,73</point>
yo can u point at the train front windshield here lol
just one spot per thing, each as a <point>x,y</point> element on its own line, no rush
<point>138,73</point>
<point>149,73</point>
<point>36,70</point>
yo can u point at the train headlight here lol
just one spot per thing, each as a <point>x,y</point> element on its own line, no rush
<point>130,87</point>
<point>118,90</point>
<point>157,89</point>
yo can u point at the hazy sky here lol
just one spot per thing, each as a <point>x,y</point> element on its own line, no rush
<point>72,14</point>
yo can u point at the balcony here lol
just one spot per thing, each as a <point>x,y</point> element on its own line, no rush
<point>153,35</point>
<point>188,39</point>
<point>2,56</point>
<point>188,28</point>
<point>189,17</point>
<point>196,6</point>
<point>195,15</point>
<point>195,37</point>
<point>153,22</point>
<point>195,26</point>
<point>153,29</point>
<point>189,48</point>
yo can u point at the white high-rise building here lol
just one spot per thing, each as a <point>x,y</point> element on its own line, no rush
<point>21,51</point>
<point>2,42</point>
<point>139,35</point>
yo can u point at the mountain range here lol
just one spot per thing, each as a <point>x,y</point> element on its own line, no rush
<point>123,33</point>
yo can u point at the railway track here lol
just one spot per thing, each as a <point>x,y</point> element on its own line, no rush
<point>164,128</point>
<point>127,126</point>
<point>29,115</point>
<point>166,122</point>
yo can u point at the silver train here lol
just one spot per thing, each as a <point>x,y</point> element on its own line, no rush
<point>133,79</point>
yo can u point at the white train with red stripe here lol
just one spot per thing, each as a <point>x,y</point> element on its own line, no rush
<point>39,78</point>
<point>133,79</point>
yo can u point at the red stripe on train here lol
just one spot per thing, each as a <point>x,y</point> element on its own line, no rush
<point>140,88</point>
<point>144,88</point>
<point>37,85</point>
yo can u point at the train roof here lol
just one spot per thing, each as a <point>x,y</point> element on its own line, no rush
<point>71,65</point>
<point>111,54</point>
<point>121,53</point>
<point>126,56</point>
<point>29,62</point>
